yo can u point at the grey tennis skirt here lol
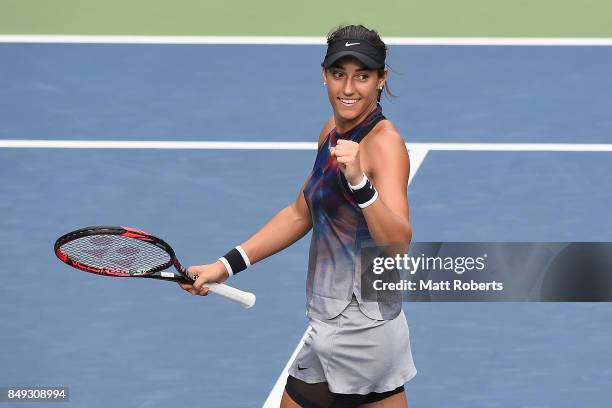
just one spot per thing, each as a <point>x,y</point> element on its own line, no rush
<point>355,354</point>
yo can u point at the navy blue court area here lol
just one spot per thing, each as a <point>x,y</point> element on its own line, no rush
<point>143,343</point>
<point>265,92</point>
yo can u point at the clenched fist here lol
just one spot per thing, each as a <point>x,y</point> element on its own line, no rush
<point>346,153</point>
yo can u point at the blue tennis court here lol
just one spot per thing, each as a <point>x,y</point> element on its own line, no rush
<point>141,343</point>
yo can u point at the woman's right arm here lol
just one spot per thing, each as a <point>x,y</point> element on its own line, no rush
<point>286,227</point>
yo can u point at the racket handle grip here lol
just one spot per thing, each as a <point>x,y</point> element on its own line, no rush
<point>247,299</point>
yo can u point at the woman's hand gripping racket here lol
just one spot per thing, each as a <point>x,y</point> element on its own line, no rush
<point>128,252</point>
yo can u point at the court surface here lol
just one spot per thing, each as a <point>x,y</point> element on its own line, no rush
<point>508,143</point>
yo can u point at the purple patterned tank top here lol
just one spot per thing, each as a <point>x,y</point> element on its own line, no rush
<point>338,229</point>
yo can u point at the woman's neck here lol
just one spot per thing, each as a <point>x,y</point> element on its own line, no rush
<point>343,126</point>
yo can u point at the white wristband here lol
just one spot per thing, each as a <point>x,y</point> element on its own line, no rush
<point>235,260</point>
<point>246,259</point>
<point>359,185</point>
<point>364,192</point>
<point>227,266</point>
<point>370,201</point>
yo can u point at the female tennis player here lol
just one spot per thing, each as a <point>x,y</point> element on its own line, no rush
<point>357,353</point>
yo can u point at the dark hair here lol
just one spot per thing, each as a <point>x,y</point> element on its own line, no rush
<point>359,32</point>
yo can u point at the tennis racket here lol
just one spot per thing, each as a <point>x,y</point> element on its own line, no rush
<point>128,252</point>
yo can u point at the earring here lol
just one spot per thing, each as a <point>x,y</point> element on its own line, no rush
<point>324,83</point>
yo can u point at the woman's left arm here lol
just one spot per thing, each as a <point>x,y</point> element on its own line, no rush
<point>388,218</point>
<point>383,157</point>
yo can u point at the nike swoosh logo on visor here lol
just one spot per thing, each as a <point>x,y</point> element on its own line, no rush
<point>348,44</point>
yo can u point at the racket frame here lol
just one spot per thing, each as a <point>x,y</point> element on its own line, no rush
<point>127,232</point>
<point>247,299</point>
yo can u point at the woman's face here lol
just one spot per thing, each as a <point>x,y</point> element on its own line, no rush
<point>352,89</point>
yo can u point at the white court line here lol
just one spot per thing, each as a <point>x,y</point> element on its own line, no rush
<point>284,40</point>
<point>417,155</point>
<point>238,145</point>
<point>148,144</point>
<point>418,152</point>
<point>518,147</point>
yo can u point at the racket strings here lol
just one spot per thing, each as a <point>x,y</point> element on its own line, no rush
<point>117,253</point>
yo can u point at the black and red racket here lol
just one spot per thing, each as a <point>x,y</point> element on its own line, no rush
<point>128,252</point>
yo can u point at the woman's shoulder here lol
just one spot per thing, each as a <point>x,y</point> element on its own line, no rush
<point>383,135</point>
<point>384,147</point>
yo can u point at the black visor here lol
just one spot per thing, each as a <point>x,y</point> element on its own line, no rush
<point>370,56</point>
